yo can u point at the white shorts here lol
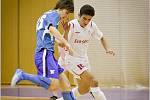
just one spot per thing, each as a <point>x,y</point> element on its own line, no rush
<point>75,65</point>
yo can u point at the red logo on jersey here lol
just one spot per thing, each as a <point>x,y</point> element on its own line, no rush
<point>80,41</point>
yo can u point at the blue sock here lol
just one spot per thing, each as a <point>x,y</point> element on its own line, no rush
<point>68,95</point>
<point>39,80</point>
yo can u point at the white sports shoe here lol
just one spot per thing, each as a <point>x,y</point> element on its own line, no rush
<point>16,78</point>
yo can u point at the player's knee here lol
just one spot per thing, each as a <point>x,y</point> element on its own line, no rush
<point>90,78</point>
<point>86,77</point>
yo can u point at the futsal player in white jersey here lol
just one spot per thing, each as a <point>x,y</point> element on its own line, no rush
<point>82,30</point>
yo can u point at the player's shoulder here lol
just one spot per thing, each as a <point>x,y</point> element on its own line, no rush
<point>73,21</point>
<point>51,13</point>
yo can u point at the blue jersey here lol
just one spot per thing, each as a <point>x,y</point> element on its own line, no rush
<point>43,37</point>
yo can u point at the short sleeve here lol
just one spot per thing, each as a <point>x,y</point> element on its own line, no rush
<point>52,20</point>
<point>97,34</point>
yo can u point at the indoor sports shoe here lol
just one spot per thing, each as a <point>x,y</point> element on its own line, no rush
<point>17,77</point>
<point>53,98</point>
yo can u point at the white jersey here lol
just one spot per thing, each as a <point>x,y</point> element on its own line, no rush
<point>79,37</point>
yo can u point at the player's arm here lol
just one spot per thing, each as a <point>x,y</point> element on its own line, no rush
<point>105,46</point>
<point>99,35</point>
<point>66,28</point>
<point>66,35</point>
<point>58,36</point>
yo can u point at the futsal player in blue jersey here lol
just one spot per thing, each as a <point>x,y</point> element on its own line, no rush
<point>50,73</point>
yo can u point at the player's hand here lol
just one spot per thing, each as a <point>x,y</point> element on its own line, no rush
<point>69,49</point>
<point>67,45</point>
<point>111,52</point>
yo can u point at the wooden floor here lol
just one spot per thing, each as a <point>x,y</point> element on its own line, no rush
<point>37,93</point>
<point>23,98</point>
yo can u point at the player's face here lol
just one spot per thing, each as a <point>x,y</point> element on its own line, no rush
<point>84,20</point>
<point>64,14</point>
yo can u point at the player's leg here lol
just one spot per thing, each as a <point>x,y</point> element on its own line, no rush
<point>77,66</point>
<point>83,84</point>
<point>44,82</point>
<point>96,91</point>
<point>42,65</point>
<point>54,70</point>
<point>64,82</point>
<point>66,88</point>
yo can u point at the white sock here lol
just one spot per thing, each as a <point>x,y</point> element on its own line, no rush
<point>60,98</point>
<point>76,93</point>
<point>97,93</point>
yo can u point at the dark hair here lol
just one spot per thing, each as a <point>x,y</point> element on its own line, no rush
<point>87,10</point>
<point>65,4</point>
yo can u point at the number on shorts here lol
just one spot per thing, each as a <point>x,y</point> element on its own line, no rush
<point>80,66</point>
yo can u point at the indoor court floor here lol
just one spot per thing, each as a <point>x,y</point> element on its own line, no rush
<point>37,93</point>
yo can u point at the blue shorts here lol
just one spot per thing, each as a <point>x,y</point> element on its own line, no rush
<point>47,65</point>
